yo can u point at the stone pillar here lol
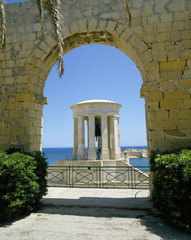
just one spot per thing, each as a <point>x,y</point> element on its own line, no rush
<point>91,138</point>
<point>115,138</point>
<point>104,136</point>
<point>75,138</point>
<point>81,139</point>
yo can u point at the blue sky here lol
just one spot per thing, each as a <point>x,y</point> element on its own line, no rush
<point>94,72</point>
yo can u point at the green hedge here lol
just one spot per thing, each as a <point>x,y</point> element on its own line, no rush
<point>22,183</point>
<point>172,187</point>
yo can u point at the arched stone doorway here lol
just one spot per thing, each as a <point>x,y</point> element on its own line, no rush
<point>155,43</point>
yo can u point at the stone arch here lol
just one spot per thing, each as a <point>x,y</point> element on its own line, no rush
<point>78,39</point>
<point>158,42</point>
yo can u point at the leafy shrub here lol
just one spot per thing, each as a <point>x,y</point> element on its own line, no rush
<point>22,183</point>
<point>40,171</point>
<point>172,187</point>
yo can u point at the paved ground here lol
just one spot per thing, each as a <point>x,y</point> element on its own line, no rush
<point>56,222</point>
<point>97,197</point>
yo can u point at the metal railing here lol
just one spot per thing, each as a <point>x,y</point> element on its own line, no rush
<point>98,177</point>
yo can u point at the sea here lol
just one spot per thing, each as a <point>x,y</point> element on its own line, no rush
<point>57,154</point>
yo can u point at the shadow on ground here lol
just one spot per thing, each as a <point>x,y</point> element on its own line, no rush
<point>164,229</point>
<point>142,203</point>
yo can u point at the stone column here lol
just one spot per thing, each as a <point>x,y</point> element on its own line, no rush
<point>104,136</point>
<point>75,138</point>
<point>115,138</point>
<point>81,139</point>
<point>91,138</point>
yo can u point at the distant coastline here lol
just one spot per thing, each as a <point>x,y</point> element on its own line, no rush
<point>122,147</point>
<point>60,153</point>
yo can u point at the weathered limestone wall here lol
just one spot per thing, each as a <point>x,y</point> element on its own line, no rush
<point>158,41</point>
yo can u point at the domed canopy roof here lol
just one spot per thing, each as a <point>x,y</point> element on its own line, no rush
<point>96,101</point>
<point>96,106</point>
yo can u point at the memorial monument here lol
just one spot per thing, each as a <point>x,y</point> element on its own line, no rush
<point>102,118</point>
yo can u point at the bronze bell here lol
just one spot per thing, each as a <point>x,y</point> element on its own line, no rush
<point>97,127</point>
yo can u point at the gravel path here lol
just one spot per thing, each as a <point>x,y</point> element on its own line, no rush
<point>73,223</point>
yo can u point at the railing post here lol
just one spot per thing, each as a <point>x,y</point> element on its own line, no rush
<point>69,176</point>
<point>100,176</point>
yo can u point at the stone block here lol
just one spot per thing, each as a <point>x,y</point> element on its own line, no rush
<point>172,66</point>
<point>184,124</point>
<point>154,125</point>
<point>186,34</point>
<point>168,125</point>
<point>4,146</point>
<point>168,85</point>
<point>16,130</point>
<point>25,138</point>
<point>13,122</point>
<point>175,36</point>
<point>149,37</point>
<point>7,72</point>
<point>180,114</point>
<point>178,94</point>
<point>179,16</point>
<point>184,84</point>
<point>173,55</point>
<point>24,97</point>
<point>187,74</point>
<point>30,130</point>
<point>13,140</point>
<point>186,43</point>
<point>147,56</point>
<point>162,115</point>
<point>38,115</point>
<point>159,56</point>
<point>4,139</point>
<point>173,134</point>
<point>4,131</point>
<point>10,63</point>
<point>151,115</point>
<point>12,105</point>
<point>154,96</point>
<point>160,46</point>
<point>111,25</point>
<point>166,17</point>
<point>170,104</point>
<point>162,36</point>
<point>187,22</point>
<point>16,114</point>
<point>156,135</point>
<point>150,28</point>
<point>187,103</point>
<point>164,27</point>
<point>74,27</point>
<point>178,26</point>
<point>92,24</point>
<point>152,105</point>
<point>27,122</point>
<point>152,75</point>
<point>171,75</point>
<point>153,19</point>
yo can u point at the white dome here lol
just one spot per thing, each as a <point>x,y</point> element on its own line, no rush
<point>96,106</point>
<point>96,101</point>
